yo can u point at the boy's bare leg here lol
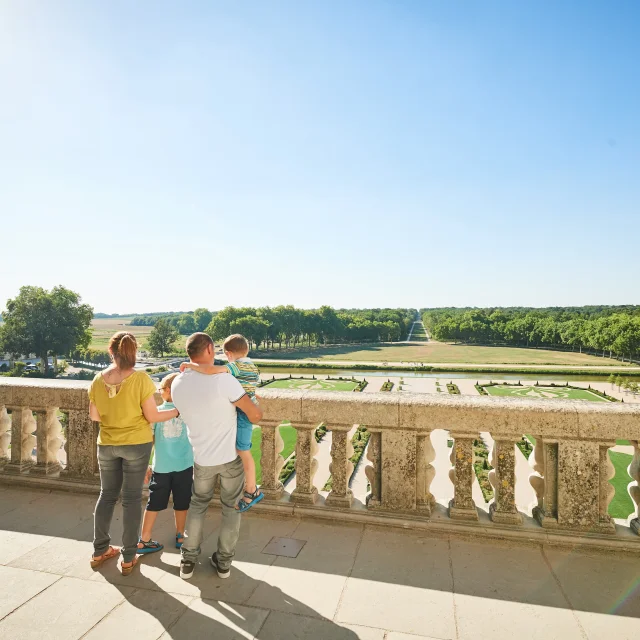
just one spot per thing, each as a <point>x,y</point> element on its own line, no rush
<point>249,471</point>
<point>147,525</point>
<point>181,520</point>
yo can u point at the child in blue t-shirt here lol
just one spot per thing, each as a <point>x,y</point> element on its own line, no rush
<point>171,472</point>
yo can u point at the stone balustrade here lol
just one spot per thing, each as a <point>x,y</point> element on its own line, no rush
<point>570,468</point>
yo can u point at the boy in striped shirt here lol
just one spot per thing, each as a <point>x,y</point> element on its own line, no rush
<point>236,348</point>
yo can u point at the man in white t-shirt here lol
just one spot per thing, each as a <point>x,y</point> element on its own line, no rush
<point>208,404</point>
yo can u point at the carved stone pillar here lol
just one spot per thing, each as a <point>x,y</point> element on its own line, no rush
<point>306,465</point>
<point>606,490</point>
<point>544,480</point>
<point>372,471</point>
<point>81,446</point>
<point>271,462</point>
<point>462,506</point>
<point>5,436</point>
<point>22,441</point>
<point>48,442</point>
<point>341,467</point>
<point>503,479</point>
<point>634,486</point>
<point>425,472</point>
<point>576,490</point>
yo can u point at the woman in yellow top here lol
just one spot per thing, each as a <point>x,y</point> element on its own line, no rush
<point>123,401</point>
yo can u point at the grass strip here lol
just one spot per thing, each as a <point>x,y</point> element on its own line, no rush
<point>482,467</point>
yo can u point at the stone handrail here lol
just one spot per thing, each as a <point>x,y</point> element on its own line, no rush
<point>570,466</point>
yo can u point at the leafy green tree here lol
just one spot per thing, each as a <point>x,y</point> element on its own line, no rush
<point>162,338</point>
<point>45,323</point>
<point>186,324</point>
<point>202,318</point>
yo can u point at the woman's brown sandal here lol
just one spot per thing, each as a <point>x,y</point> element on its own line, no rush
<point>97,561</point>
<point>127,570</point>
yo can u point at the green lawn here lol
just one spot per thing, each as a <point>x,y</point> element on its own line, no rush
<point>621,505</point>
<point>441,352</point>
<point>288,434</point>
<point>559,393</point>
<point>309,383</point>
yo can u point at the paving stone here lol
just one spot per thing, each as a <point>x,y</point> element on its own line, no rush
<point>394,635</point>
<point>145,616</point>
<point>401,582</point>
<point>58,555</point>
<point>14,544</point>
<point>17,586</point>
<point>209,619</point>
<point>64,611</point>
<point>486,593</point>
<point>603,590</point>
<point>311,583</point>
<point>282,625</point>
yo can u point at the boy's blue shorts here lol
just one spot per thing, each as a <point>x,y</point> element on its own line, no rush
<point>245,428</point>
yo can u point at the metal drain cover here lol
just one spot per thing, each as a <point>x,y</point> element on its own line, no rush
<point>287,547</point>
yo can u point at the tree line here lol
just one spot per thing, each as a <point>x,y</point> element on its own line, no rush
<point>286,325</point>
<point>604,330</point>
<point>185,323</point>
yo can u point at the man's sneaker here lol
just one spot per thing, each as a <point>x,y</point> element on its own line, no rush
<point>186,569</point>
<point>222,573</point>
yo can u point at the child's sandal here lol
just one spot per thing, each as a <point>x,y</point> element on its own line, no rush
<point>150,546</point>
<point>179,539</point>
<point>254,498</point>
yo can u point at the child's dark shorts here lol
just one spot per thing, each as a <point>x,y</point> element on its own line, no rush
<point>163,484</point>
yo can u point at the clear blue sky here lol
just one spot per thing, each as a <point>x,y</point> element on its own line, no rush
<point>170,155</point>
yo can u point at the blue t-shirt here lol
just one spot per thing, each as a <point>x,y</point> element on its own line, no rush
<point>172,449</point>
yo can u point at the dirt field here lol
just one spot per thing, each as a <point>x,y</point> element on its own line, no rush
<point>104,328</point>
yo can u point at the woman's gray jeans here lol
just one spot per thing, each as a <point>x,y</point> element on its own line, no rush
<point>122,468</point>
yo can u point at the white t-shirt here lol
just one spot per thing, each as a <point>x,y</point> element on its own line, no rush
<point>205,404</point>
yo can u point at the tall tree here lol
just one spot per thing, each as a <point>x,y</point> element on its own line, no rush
<point>202,318</point>
<point>45,323</point>
<point>162,337</point>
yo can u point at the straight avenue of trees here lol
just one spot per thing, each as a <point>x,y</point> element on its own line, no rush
<point>288,326</point>
<point>612,331</point>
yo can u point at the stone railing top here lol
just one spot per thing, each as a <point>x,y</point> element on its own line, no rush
<point>463,415</point>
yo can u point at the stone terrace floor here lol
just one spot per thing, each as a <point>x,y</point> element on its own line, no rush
<point>348,582</point>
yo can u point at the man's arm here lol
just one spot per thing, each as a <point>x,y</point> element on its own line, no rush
<point>253,411</point>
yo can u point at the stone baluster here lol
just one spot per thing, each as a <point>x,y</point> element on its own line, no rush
<point>306,464</point>
<point>81,446</point>
<point>503,479</point>
<point>544,481</point>
<point>5,435</point>
<point>606,490</point>
<point>634,486</point>
<point>48,432</point>
<point>462,506</point>
<point>372,471</point>
<point>425,472</point>
<point>536,479</point>
<point>271,461</point>
<point>22,441</point>
<point>341,467</point>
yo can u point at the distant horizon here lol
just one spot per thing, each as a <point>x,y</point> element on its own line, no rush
<point>150,313</point>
